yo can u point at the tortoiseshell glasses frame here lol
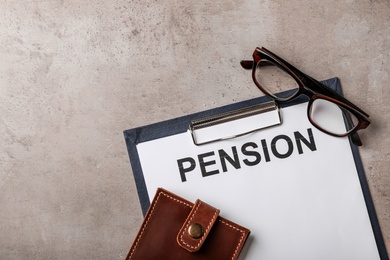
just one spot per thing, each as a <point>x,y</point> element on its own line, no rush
<point>313,89</point>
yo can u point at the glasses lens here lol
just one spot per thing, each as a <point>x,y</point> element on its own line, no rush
<point>332,117</point>
<point>275,81</point>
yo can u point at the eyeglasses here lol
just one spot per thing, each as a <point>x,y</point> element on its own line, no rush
<point>283,82</point>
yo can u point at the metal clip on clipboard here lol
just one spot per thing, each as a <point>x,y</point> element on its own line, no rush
<point>235,123</point>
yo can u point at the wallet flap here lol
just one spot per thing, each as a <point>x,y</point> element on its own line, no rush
<point>197,226</point>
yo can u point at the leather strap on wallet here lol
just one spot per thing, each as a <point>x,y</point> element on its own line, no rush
<point>174,228</point>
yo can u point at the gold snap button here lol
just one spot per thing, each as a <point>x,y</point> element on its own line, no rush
<point>195,230</point>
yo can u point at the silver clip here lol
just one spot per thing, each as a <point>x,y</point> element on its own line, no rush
<point>247,120</point>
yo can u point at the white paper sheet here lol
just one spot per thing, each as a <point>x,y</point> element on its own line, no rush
<point>308,205</point>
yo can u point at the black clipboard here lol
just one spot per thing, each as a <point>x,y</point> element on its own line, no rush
<point>138,135</point>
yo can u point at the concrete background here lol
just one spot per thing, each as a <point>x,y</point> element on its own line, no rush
<point>74,74</point>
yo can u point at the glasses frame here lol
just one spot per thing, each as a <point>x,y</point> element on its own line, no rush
<point>311,88</point>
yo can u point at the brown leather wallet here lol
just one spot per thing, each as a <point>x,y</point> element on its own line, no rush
<point>174,228</point>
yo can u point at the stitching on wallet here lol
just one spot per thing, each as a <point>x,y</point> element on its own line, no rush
<point>150,216</point>
<point>188,205</point>
<point>207,229</point>
<point>239,230</point>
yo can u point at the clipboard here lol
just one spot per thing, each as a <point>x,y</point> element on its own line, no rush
<point>306,243</point>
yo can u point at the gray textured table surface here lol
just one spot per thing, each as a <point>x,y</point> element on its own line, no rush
<point>75,74</point>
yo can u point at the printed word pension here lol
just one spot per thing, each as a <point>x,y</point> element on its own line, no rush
<point>249,154</point>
